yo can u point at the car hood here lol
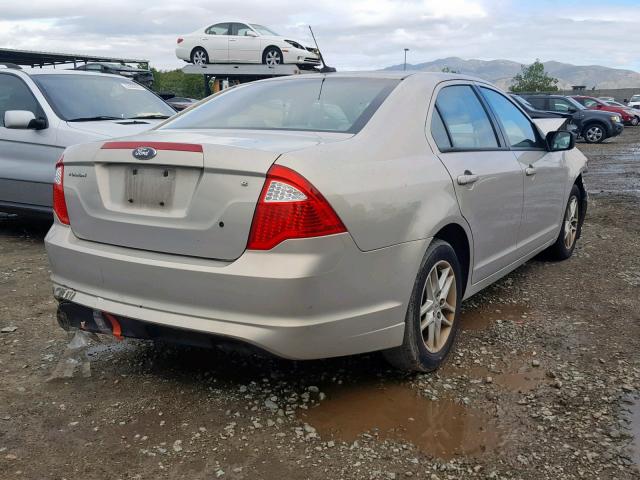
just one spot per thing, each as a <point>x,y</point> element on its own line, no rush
<point>600,113</point>
<point>112,128</point>
<point>275,38</point>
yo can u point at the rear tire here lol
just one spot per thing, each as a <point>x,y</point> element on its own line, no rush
<point>199,56</point>
<point>594,133</point>
<point>431,323</point>
<point>571,228</point>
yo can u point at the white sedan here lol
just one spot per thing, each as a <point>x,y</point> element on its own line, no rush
<point>236,42</point>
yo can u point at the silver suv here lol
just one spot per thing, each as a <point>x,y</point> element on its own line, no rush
<point>43,111</point>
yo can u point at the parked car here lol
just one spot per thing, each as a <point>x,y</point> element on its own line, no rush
<point>627,115</point>
<point>237,42</point>
<point>180,103</point>
<point>607,99</point>
<point>594,126</point>
<point>546,121</point>
<point>140,75</point>
<point>357,216</point>
<point>42,111</point>
<point>631,111</point>
<point>634,102</point>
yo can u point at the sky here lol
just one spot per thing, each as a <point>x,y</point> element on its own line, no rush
<point>353,34</point>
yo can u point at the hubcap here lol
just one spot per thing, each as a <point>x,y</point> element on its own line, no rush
<point>594,134</point>
<point>571,223</point>
<point>438,306</point>
<point>273,58</point>
<point>199,57</point>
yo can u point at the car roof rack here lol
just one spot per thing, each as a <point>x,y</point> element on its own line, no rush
<point>10,65</point>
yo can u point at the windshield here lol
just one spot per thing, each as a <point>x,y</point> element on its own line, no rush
<point>99,97</point>
<point>262,30</point>
<point>523,101</point>
<point>311,104</point>
<point>635,98</point>
<point>575,103</point>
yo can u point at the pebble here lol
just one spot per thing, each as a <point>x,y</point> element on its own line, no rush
<point>9,329</point>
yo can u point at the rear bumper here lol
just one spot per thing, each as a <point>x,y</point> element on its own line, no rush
<point>305,299</point>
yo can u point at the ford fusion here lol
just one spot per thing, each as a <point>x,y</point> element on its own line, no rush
<point>313,216</point>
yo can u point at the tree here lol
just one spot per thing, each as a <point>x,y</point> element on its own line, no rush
<point>449,70</point>
<point>178,83</point>
<point>534,79</point>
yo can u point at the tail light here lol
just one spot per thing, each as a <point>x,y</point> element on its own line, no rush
<point>59,203</point>
<point>180,39</point>
<point>290,207</point>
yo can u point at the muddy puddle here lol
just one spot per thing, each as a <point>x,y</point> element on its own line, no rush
<point>481,318</point>
<point>631,417</point>
<point>441,428</point>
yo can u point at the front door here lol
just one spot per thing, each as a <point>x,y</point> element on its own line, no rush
<point>243,48</point>
<point>545,173</point>
<point>486,176</point>
<point>27,156</point>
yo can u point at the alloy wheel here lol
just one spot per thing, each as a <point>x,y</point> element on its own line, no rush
<point>273,57</point>
<point>571,223</point>
<point>199,57</point>
<point>594,134</point>
<point>438,306</point>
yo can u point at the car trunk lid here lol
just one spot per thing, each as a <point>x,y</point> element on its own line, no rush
<point>195,196</point>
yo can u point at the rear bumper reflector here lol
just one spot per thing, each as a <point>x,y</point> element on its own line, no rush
<point>176,147</point>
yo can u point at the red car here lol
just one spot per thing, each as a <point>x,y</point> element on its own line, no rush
<point>628,115</point>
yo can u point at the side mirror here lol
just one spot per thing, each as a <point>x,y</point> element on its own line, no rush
<point>250,33</point>
<point>23,119</point>
<point>560,141</point>
<point>572,110</point>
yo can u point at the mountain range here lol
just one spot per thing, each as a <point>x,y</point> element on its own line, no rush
<point>501,72</point>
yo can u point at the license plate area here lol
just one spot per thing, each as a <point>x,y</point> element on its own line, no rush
<point>149,187</point>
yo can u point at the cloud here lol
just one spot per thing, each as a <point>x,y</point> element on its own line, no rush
<point>358,34</point>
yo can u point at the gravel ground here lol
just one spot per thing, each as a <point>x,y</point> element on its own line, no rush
<point>544,382</point>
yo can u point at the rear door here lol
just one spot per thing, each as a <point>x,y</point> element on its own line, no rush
<point>243,48</point>
<point>216,42</point>
<point>27,156</point>
<point>486,176</point>
<point>545,172</point>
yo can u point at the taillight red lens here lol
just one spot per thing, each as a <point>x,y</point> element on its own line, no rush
<point>290,207</point>
<point>59,203</point>
<point>180,40</point>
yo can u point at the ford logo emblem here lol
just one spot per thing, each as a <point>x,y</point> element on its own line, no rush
<point>144,153</point>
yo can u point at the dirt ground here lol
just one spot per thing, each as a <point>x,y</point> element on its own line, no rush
<point>544,381</point>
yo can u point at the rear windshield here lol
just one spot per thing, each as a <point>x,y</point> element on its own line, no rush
<point>76,97</point>
<point>311,104</point>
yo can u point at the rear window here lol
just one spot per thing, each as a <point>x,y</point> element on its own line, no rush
<point>312,104</point>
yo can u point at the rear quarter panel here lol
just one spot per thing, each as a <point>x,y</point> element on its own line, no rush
<point>385,183</point>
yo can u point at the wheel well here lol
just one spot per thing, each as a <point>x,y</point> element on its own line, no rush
<point>583,197</point>
<point>197,48</point>
<point>591,123</point>
<point>455,236</point>
<point>268,47</point>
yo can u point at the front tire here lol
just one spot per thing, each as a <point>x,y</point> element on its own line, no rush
<point>272,56</point>
<point>594,133</point>
<point>571,228</point>
<point>199,56</point>
<point>432,319</point>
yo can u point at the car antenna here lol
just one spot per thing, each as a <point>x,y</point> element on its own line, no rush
<point>325,68</point>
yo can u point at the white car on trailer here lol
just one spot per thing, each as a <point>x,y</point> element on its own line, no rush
<point>240,42</point>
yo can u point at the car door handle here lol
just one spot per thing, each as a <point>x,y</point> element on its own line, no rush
<point>530,171</point>
<point>468,178</point>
